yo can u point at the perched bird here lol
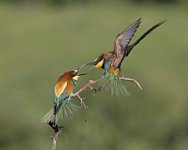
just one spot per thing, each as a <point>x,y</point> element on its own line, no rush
<point>111,61</point>
<point>63,90</point>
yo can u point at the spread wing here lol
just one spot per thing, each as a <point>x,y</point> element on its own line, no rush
<point>130,47</point>
<point>123,38</point>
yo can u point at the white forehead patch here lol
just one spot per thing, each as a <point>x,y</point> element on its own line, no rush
<point>76,71</point>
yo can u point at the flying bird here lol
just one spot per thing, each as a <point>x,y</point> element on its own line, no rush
<point>111,61</point>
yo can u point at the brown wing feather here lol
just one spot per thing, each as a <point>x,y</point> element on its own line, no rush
<point>63,83</point>
<point>130,47</point>
<point>59,88</point>
<point>123,39</point>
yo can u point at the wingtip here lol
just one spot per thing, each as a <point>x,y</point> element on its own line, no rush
<point>163,21</point>
<point>139,19</point>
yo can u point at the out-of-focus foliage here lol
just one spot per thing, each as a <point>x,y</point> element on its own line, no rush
<point>38,43</point>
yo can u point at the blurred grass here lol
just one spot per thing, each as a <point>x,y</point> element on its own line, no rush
<point>39,43</point>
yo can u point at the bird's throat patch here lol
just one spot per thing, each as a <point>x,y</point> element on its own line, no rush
<point>99,64</point>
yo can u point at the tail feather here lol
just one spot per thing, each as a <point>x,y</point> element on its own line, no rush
<point>48,117</point>
<point>113,85</point>
<point>65,110</point>
<point>68,108</point>
<point>130,47</point>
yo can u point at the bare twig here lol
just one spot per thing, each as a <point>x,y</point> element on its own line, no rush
<point>54,139</point>
<point>92,82</point>
<point>132,80</point>
<point>77,94</point>
<point>57,131</point>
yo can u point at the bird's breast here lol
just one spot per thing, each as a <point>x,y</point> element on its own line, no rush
<point>115,71</point>
<point>70,87</point>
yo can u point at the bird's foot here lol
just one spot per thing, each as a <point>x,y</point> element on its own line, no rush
<point>95,90</point>
<point>57,128</point>
<point>54,126</point>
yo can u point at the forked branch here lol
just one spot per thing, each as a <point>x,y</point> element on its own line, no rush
<point>86,86</point>
<point>92,82</point>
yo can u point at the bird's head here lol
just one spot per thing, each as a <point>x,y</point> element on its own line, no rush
<point>98,63</point>
<point>75,74</point>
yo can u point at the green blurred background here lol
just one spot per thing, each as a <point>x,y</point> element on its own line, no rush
<point>39,40</point>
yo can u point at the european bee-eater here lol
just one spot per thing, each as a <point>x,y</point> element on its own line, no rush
<point>111,61</point>
<point>63,90</point>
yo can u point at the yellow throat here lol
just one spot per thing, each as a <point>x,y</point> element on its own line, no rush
<point>76,78</point>
<point>99,64</point>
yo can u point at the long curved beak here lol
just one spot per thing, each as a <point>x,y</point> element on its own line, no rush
<point>79,68</point>
<point>82,74</point>
<point>92,63</point>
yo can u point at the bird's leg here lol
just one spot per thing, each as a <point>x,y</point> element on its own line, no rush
<point>95,90</point>
<point>132,80</point>
<point>54,126</point>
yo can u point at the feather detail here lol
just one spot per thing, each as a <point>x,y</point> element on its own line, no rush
<point>60,87</point>
<point>48,117</point>
<point>63,107</point>
<point>65,110</point>
<point>112,84</point>
<point>123,38</point>
<point>130,47</point>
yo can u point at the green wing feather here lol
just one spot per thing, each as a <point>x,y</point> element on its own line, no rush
<point>63,108</point>
<point>112,84</point>
<point>48,117</point>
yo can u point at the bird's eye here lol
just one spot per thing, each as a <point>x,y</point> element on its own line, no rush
<point>75,71</point>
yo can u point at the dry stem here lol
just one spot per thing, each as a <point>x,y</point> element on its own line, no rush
<point>57,131</point>
<point>91,82</point>
<point>54,139</point>
<point>132,80</point>
<point>77,94</point>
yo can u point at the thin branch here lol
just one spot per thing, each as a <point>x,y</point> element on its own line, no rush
<point>54,139</point>
<point>57,131</point>
<point>77,94</point>
<point>132,80</point>
<point>92,82</point>
<point>87,85</point>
